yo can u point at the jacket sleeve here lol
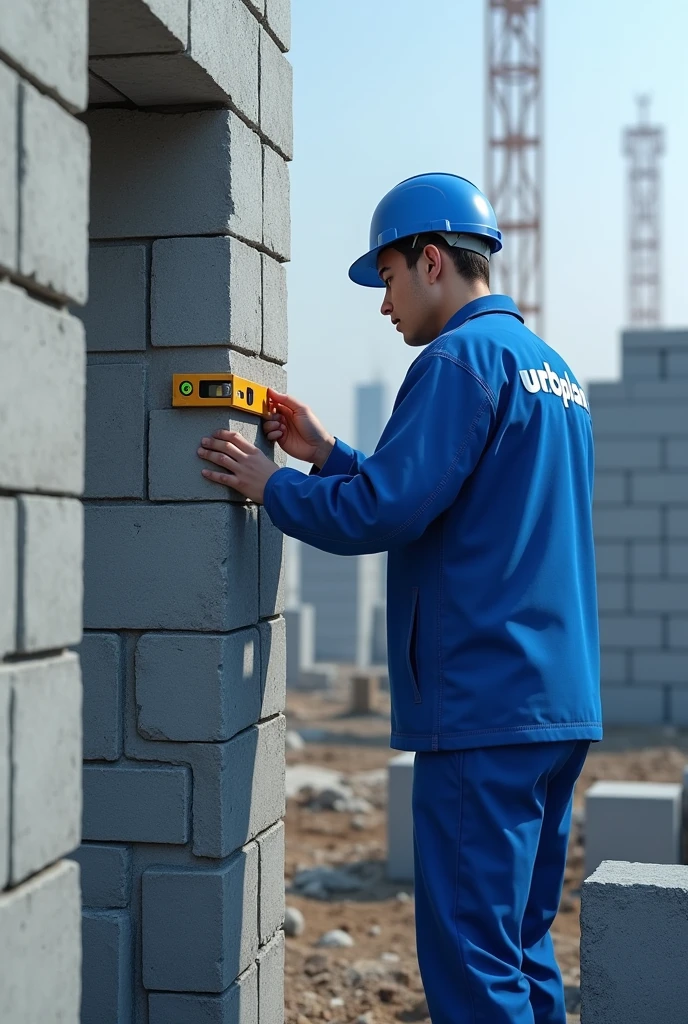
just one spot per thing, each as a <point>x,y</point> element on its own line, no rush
<point>342,461</point>
<point>429,447</point>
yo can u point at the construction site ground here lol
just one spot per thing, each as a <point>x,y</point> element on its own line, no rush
<point>376,980</point>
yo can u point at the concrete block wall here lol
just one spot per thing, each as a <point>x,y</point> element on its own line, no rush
<point>44,154</point>
<point>641,530</point>
<point>184,654</point>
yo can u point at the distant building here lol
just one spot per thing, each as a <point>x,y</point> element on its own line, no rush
<point>348,592</point>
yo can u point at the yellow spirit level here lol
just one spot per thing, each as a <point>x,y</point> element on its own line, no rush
<point>199,389</point>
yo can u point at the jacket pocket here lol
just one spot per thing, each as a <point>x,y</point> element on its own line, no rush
<point>411,647</point>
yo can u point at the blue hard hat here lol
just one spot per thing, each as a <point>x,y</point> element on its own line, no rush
<point>428,202</point>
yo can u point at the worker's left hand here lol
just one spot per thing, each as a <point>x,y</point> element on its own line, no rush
<point>244,467</point>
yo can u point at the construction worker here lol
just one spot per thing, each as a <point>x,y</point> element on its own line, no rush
<point>480,490</point>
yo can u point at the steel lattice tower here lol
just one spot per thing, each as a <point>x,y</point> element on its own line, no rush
<point>643,145</point>
<point>514,153</point>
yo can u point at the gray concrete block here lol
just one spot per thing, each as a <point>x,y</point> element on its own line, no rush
<point>276,216</point>
<point>9,98</point>
<point>53,198</point>
<point>46,756</point>
<point>178,433</point>
<point>641,419</point>
<point>105,875</point>
<point>49,43</point>
<point>300,627</point>
<point>399,817</point>
<point>632,705</point>
<point>273,642</point>
<point>677,559</point>
<point>678,631</point>
<point>131,582</point>
<point>115,430</point>
<point>40,948</point>
<point>677,524</point>
<point>271,981</point>
<point>199,926</point>
<point>622,522</point>
<point>41,353</point>
<point>101,673</point>
<point>630,631</point>
<point>613,667</point>
<point>654,339</point>
<point>617,454</point>
<point>271,882</point>
<point>195,687</point>
<point>135,803</point>
<point>257,6</point>
<point>219,66</point>
<point>610,488</point>
<point>5,776</point>
<point>610,558</point>
<point>278,14</point>
<point>8,576</point>
<point>677,364</point>
<point>606,391</point>
<point>276,88</point>
<point>634,933</point>
<point>612,595</point>
<point>159,175</point>
<point>116,314</point>
<point>206,291</point>
<point>636,821</point>
<point>664,389</point>
<point>272,573</point>
<point>677,453</point>
<point>138,26</point>
<point>660,596</point>
<point>646,559</point>
<point>237,1005</point>
<point>660,488</point>
<point>107,967</point>
<point>275,327</point>
<point>660,667</point>
<point>641,364</point>
<point>50,586</point>
<point>679,706</point>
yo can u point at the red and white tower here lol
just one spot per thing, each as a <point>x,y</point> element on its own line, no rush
<point>644,145</point>
<point>514,152</point>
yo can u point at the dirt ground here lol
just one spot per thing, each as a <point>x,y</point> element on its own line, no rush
<point>376,980</point>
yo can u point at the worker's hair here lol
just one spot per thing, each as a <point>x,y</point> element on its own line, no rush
<point>471,266</point>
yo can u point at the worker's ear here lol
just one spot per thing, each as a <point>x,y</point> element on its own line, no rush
<point>432,261</point>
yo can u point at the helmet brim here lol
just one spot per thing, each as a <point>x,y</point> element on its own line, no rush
<point>364,270</point>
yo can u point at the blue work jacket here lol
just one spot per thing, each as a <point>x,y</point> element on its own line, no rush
<point>480,490</point>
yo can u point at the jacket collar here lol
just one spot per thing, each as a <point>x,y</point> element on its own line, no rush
<point>479,307</point>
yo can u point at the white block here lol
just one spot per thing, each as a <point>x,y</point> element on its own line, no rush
<point>400,818</point>
<point>633,821</point>
<point>40,948</point>
<point>8,575</point>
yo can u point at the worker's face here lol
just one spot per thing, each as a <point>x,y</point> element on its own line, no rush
<point>409,299</point>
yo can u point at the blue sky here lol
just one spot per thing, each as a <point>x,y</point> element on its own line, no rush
<point>383,91</point>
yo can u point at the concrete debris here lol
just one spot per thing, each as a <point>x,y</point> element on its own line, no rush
<point>294,922</point>
<point>293,740</point>
<point>335,939</point>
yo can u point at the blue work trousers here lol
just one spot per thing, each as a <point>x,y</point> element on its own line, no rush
<point>491,831</point>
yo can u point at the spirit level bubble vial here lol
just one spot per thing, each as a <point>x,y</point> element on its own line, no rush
<point>198,389</point>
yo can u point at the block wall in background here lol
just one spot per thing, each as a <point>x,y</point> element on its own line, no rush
<point>641,530</point>
<point>44,153</point>
<point>184,647</point>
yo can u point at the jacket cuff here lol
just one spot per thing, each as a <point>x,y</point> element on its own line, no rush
<point>340,462</point>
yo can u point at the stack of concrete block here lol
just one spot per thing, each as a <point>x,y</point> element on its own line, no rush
<point>634,937</point>
<point>399,817</point>
<point>634,821</point>
<point>641,530</point>
<point>43,259</point>
<point>184,649</point>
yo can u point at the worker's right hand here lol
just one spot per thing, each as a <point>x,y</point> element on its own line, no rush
<point>297,430</point>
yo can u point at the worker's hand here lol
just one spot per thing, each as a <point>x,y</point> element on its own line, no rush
<point>243,466</point>
<point>297,430</point>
